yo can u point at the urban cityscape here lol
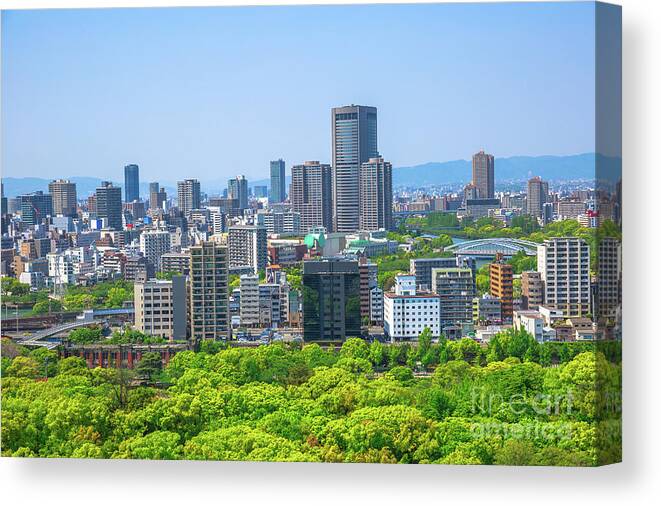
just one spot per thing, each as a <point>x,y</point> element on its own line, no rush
<point>322,313</point>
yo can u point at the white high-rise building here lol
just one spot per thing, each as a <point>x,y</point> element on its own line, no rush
<point>249,311</point>
<point>247,247</point>
<point>564,265</point>
<point>154,244</point>
<point>406,312</point>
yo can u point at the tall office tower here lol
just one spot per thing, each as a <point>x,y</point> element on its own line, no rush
<point>609,279</point>
<point>208,299</point>
<point>331,301</point>
<point>188,195</point>
<point>35,207</point>
<point>161,308</point>
<point>311,194</point>
<point>109,205</point>
<point>64,197</point>
<point>237,188</point>
<point>538,195</point>
<point>564,265</point>
<point>501,285</point>
<point>532,290</point>
<point>375,195</point>
<point>456,288</point>
<point>354,131</point>
<point>157,196</point>
<point>249,301</point>
<point>483,174</point>
<point>131,183</point>
<point>247,247</point>
<point>154,244</point>
<point>277,181</point>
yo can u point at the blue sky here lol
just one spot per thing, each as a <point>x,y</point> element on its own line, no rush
<point>214,92</point>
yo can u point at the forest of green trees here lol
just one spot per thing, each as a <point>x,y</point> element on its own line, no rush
<point>513,402</point>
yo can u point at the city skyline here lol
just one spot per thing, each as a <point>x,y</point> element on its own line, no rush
<point>188,121</point>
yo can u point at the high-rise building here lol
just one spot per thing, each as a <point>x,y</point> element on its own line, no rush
<point>375,195</point>
<point>278,221</point>
<point>331,300</point>
<point>247,247</point>
<point>161,307</point>
<point>311,194</point>
<point>456,288</point>
<point>109,205</point>
<point>407,311</point>
<point>176,262</point>
<point>131,183</point>
<point>157,196</point>
<point>35,207</point>
<point>354,133</point>
<point>538,195</point>
<point>422,268</point>
<point>277,180</point>
<point>501,285</point>
<point>609,279</point>
<point>237,188</point>
<point>154,244</point>
<point>368,280</point>
<point>532,290</point>
<point>188,195</point>
<point>564,265</point>
<point>483,175</point>
<point>65,201</point>
<point>249,290</point>
<point>208,299</point>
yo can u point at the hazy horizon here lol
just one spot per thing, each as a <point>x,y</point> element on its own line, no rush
<point>215,92</point>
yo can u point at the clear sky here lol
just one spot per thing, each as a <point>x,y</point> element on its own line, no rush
<point>215,92</point>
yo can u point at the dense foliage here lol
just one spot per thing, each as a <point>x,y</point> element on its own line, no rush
<point>447,402</point>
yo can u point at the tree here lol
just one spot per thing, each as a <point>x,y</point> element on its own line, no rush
<point>149,365</point>
<point>23,367</point>
<point>47,306</point>
<point>354,347</point>
<point>516,452</point>
<point>85,335</point>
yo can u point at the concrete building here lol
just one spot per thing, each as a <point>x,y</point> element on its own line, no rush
<point>176,262</point>
<point>375,195</point>
<point>456,288</point>
<point>188,195</point>
<point>278,183</point>
<point>564,265</point>
<point>209,315</point>
<point>65,200</point>
<point>237,188</point>
<point>154,244</point>
<point>532,290</point>
<point>422,268</point>
<point>131,183</point>
<point>331,300</point>
<point>368,281</point>
<point>532,322</point>
<point>247,247</point>
<point>483,175</point>
<point>161,307</point>
<point>501,285</point>
<point>279,221</point>
<point>407,312</point>
<point>354,142</point>
<point>270,311</point>
<point>609,279</point>
<point>487,310</point>
<point>538,195</point>
<point>109,205</point>
<point>249,300</point>
<point>376,306</point>
<point>311,195</point>
<point>157,196</point>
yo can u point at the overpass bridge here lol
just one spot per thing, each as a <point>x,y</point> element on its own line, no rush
<point>490,247</point>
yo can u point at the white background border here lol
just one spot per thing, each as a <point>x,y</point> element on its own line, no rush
<point>636,481</point>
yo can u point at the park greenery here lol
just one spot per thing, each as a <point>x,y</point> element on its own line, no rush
<point>514,402</point>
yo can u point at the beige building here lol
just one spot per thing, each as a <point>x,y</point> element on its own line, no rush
<point>160,307</point>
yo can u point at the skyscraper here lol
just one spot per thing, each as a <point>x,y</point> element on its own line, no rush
<point>131,183</point>
<point>311,194</point>
<point>209,315</point>
<point>483,175</point>
<point>109,205</point>
<point>538,194</point>
<point>375,195</point>
<point>35,207</point>
<point>354,134</point>
<point>64,197</point>
<point>188,195</point>
<point>277,180</point>
<point>237,188</point>
<point>331,300</point>
<point>157,196</point>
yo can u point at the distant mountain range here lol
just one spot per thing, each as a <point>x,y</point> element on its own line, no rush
<point>515,168</point>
